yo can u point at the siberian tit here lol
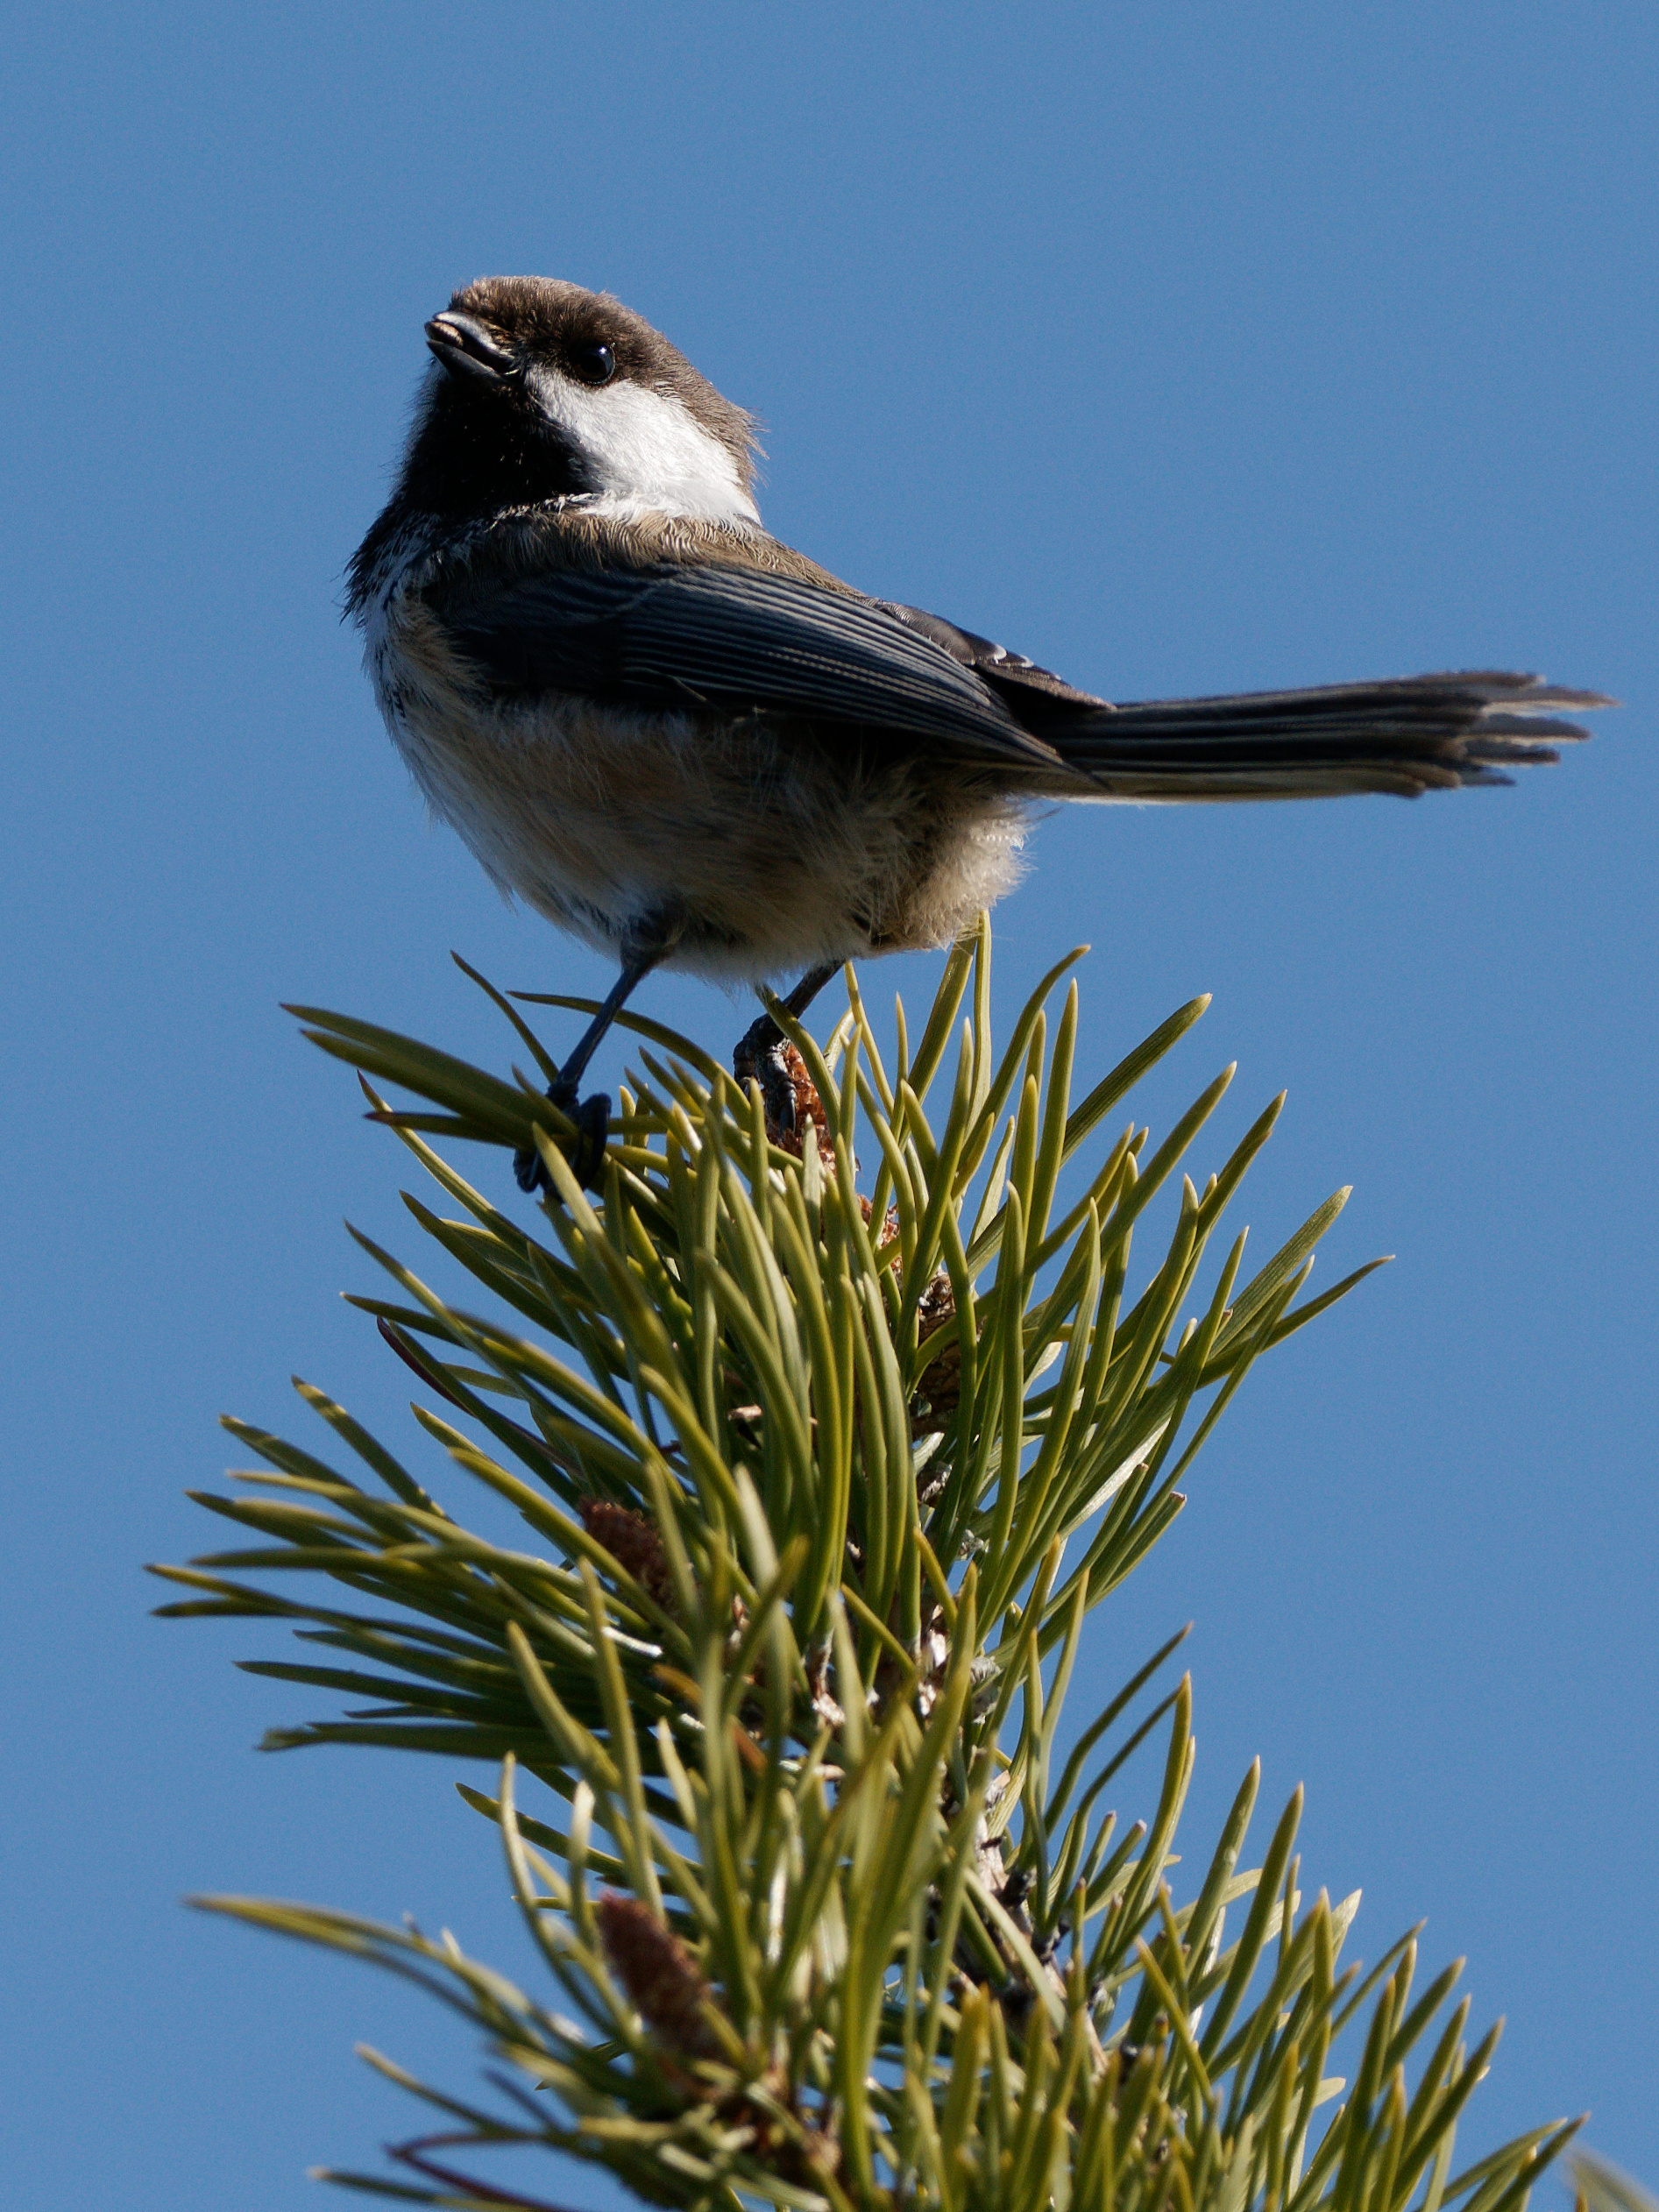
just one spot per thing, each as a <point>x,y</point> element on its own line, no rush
<point>691,745</point>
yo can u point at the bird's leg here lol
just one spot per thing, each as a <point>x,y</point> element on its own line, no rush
<point>591,1115</point>
<point>759,1055</point>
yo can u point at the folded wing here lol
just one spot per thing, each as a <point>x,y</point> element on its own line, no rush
<point>742,640</point>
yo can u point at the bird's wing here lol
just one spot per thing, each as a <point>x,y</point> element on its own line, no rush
<point>744,639</point>
<point>1027,689</point>
<point>740,639</point>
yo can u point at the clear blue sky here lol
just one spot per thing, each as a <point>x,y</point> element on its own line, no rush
<point>1185,348</point>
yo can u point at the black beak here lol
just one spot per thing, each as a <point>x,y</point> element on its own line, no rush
<point>467,349</point>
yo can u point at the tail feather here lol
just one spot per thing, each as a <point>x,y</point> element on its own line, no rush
<point>1413,734</point>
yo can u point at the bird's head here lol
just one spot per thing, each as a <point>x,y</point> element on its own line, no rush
<point>545,391</point>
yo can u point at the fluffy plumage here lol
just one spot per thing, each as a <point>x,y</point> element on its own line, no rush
<point>682,741</point>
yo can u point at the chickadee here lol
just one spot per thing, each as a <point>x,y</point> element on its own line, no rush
<point>691,745</point>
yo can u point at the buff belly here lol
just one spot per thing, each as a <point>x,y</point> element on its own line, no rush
<point>767,845</point>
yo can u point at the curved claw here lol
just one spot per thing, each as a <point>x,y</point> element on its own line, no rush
<point>759,1057</point>
<point>593,1119</point>
<point>592,1126</point>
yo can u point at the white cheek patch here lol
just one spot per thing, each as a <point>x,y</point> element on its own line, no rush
<point>645,452</point>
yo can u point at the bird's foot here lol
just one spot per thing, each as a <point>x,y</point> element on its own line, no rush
<point>789,1096</point>
<point>593,1119</point>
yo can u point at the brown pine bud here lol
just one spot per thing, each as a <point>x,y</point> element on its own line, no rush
<point>807,1106</point>
<point>939,1390</point>
<point>633,1542</point>
<point>659,1974</point>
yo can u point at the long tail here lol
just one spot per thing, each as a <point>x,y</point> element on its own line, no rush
<point>1416,734</point>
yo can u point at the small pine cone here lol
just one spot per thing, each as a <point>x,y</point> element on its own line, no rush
<point>889,1227</point>
<point>939,1390</point>
<point>634,1544</point>
<point>659,1974</point>
<point>808,1107</point>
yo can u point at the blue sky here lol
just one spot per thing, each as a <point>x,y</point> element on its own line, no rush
<point>1185,349</point>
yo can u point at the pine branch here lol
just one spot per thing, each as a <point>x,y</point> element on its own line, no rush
<point>819,1489</point>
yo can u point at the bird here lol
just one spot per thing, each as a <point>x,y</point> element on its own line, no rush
<point>691,745</point>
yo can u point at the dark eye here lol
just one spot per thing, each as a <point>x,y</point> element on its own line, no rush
<point>593,364</point>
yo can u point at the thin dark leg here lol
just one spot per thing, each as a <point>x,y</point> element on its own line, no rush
<point>591,1115</point>
<point>758,1054</point>
<point>809,987</point>
<point>636,968</point>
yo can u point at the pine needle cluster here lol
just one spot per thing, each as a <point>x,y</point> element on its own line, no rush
<point>825,1908</point>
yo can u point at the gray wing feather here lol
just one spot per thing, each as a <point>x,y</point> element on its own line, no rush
<point>738,639</point>
<point>745,640</point>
